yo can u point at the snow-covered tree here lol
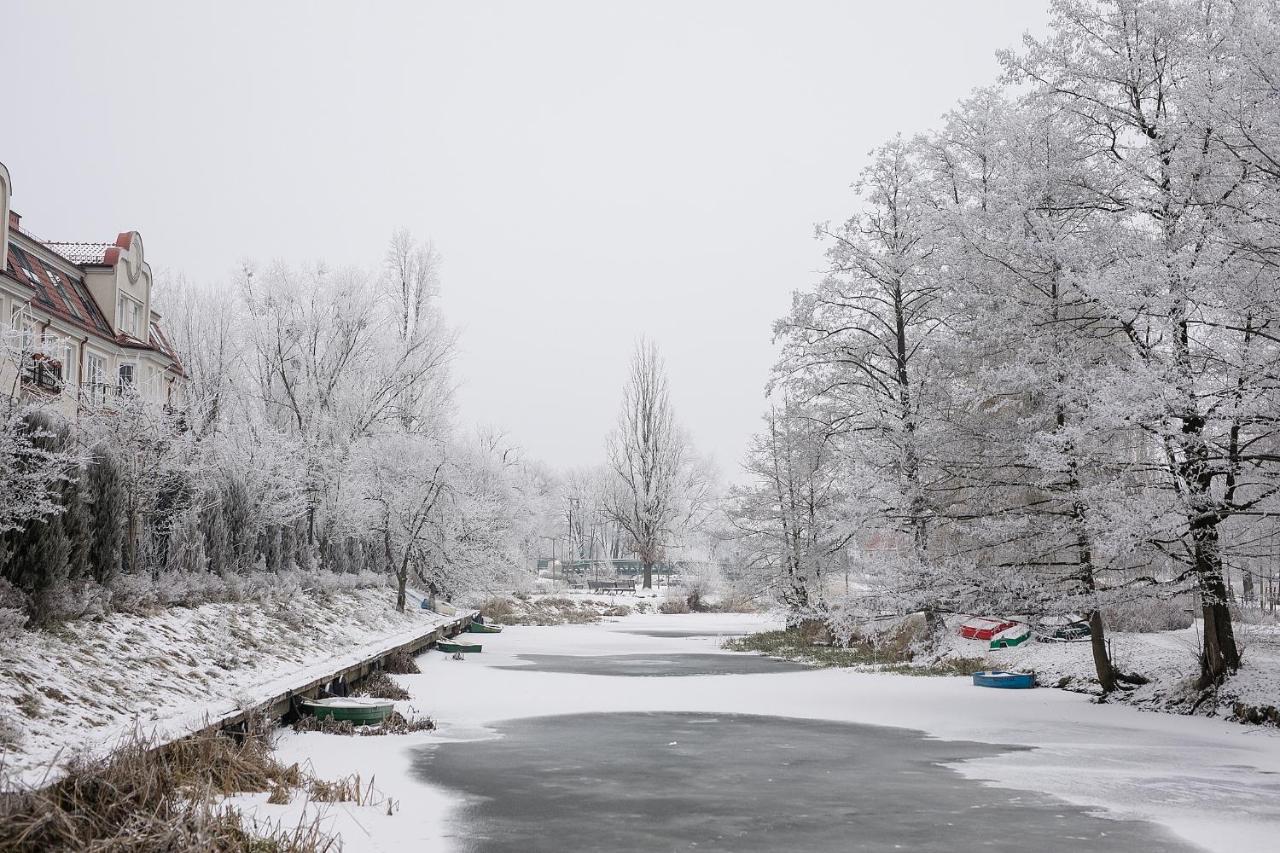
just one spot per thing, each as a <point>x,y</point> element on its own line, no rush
<point>650,458</point>
<point>1151,78</point>
<point>861,345</point>
<point>792,520</point>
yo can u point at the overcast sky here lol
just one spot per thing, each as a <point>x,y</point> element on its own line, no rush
<point>590,171</point>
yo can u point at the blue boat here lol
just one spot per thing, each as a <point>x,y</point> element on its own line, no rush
<point>1008,680</point>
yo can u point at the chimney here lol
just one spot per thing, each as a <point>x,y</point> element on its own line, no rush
<point>14,219</point>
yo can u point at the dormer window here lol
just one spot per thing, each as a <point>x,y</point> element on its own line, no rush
<point>60,284</point>
<point>129,321</point>
<point>25,265</point>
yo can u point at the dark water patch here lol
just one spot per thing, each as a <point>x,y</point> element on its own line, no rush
<point>680,635</point>
<point>742,784</point>
<point>651,665</point>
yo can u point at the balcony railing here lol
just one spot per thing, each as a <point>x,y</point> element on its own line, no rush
<point>42,373</point>
<point>98,392</point>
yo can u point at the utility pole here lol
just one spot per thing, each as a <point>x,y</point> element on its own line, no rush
<point>574,544</point>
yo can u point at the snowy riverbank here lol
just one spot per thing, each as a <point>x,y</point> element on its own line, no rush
<point>1169,659</point>
<point>1209,781</point>
<point>84,685</point>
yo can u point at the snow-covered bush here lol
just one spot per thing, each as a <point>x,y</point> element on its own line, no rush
<point>1148,615</point>
<point>131,593</point>
<point>674,602</point>
<point>13,610</point>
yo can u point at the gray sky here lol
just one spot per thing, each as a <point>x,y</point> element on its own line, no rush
<point>591,171</point>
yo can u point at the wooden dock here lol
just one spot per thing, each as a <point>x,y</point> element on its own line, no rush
<point>280,706</point>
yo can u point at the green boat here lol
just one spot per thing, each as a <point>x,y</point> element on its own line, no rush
<point>481,628</point>
<point>361,712</point>
<point>450,646</point>
<point>1010,637</point>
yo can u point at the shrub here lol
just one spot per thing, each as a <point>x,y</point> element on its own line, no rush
<point>401,663</point>
<point>674,604</point>
<point>380,686</point>
<point>1149,615</point>
<point>496,608</point>
<point>737,601</point>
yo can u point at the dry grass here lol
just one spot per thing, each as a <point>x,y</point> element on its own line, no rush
<point>796,645</point>
<point>737,602</point>
<point>148,799</point>
<point>29,704</point>
<point>380,686</point>
<point>497,609</point>
<point>674,604</point>
<point>401,663</point>
<point>10,735</point>
<point>347,790</point>
<point>547,610</point>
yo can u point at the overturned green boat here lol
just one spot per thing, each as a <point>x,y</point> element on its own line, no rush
<point>360,712</point>
<point>481,628</point>
<point>452,647</point>
<point>1010,637</point>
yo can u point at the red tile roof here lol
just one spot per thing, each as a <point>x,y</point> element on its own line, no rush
<point>65,296</point>
<point>57,291</point>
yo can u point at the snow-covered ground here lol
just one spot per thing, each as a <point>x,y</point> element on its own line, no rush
<point>85,685</point>
<point>1215,783</point>
<point>1170,659</point>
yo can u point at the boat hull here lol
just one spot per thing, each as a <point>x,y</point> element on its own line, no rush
<point>452,647</point>
<point>1012,637</point>
<point>478,628</point>
<point>360,715</point>
<point>1005,680</point>
<point>984,629</point>
<point>1073,633</point>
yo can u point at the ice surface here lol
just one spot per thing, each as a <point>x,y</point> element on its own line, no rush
<point>1213,783</point>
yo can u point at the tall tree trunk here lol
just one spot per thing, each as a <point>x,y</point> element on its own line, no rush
<point>1101,660</point>
<point>1220,656</point>
<point>401,572</point>
<point>131,544</point>
<point>648,575</point>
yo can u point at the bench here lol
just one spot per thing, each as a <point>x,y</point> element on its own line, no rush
<point>611,586</point>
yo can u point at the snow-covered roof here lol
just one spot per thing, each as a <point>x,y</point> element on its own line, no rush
<point>81,253</point>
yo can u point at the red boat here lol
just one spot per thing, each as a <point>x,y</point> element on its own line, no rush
<point>983,628</point>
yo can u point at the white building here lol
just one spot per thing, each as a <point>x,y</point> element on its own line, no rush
<point>77,319</point>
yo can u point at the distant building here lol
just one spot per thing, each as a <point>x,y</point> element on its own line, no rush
<point>77,318</point>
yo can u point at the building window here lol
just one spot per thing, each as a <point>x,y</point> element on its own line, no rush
<point>95,368</point>
<point>130,320</point>
<point>25,265</point>
<point>69,366</point>
<point>24,329</point>
<point>60,284</point>
<point>126,377</point>
<point>95,377</point>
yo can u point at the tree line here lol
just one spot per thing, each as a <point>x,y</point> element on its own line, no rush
<point>314,439</point>
<point>1040,373</point>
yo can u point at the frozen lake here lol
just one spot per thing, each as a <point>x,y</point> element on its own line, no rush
<point>643,734</point>
<point>736,783</point>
